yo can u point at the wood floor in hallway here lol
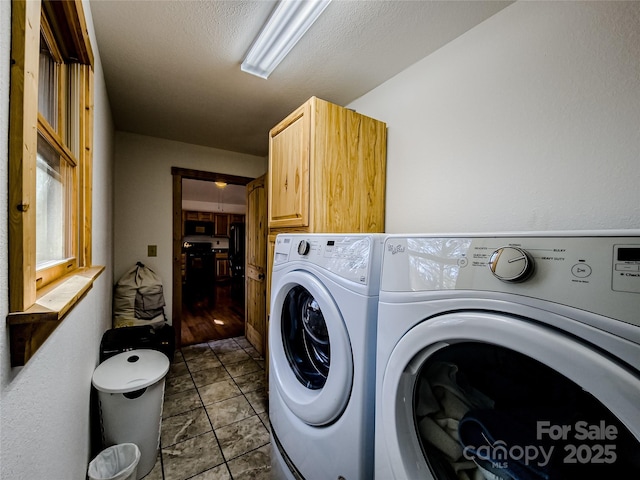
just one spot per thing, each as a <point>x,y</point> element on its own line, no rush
<point>213,319</point>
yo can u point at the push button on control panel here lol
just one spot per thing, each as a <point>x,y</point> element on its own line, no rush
<point>581,270</point>
<point>623,267</point>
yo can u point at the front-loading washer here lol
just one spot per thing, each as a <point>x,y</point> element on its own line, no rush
<point>509,356</point>
<point>324,300</point>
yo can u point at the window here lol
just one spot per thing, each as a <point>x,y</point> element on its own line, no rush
<point>50,162</point>
<point>60,95</point>
<point>54,207</point>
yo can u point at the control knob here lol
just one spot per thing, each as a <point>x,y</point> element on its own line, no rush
<point>511,264</point>
<point>303,247</point>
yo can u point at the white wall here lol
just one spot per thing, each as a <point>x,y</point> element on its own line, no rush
<point>44,406</point>
<point>144,196</point>
<point>530,121</point>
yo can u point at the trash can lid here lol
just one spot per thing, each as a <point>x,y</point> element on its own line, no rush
<point>130,371</point>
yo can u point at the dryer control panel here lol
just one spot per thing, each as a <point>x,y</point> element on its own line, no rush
<point>597,272</point>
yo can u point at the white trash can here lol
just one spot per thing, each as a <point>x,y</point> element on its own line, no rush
<point>130,392</point>
<point>118,462</point>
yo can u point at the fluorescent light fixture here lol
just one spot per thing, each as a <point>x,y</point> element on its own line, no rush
<point>287,24</point>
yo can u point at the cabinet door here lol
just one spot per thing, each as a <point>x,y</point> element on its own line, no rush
<point>189,215</point>
<point>221,225</point>
<point>289,149</point>
<point>236,218</point>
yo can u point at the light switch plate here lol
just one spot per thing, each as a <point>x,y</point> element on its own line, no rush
<point>152,250</point>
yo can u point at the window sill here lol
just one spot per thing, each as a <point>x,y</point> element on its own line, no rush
<point>29,329</point>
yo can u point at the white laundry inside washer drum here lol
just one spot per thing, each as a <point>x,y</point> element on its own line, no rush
<point>485,407</point>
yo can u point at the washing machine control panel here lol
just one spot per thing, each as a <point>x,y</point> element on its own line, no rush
<point>598,273</point>
<point>351,256</point>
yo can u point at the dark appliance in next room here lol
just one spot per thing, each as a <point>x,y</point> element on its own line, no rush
<point>237,259</point>
<point>197,227</point>
<point>200,274</point>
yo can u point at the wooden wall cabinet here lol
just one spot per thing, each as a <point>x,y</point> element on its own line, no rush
<point>327,171</point>
<point>200,216</point>
<point>221,226</point>
<point>221,221</point>
<point>327,174</point>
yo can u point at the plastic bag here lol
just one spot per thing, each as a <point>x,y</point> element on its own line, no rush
<point>119,462</point>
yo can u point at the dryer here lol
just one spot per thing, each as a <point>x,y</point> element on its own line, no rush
<point>509,356</point>
<point>324,300</point>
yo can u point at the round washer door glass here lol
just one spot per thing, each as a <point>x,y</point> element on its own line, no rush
<point>310,350</point>
<point>306,338</point>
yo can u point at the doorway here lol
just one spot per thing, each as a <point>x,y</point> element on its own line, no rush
<point>208,303</point>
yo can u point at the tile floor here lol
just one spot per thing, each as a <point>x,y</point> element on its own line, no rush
<point>215,416</point>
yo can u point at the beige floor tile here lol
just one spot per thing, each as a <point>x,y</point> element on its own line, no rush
<point>253,353</point>
<point>193,456</point>
<point>193,351</point>
<point>258,400</point>
<point>254,465</point>
<point>243,342</point>
<point>183,426</point>
<point>218,391</point>
<point>221,472</point>
<point>178,384</point>
<point>210,375</point>
<point>177,368</point>
<point>207,359</point>
<point>229,411</point>
<point>227,345</point>
<point>234,356</point>
<point>242,437</point>
<point>242,367</point>
<point>180,403</point>
<point>251,382</point>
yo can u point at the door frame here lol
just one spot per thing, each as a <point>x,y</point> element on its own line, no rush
<point>178,174</point>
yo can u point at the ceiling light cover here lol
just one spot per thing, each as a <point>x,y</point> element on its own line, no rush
<point>287,24</point>
<point>221,184</point>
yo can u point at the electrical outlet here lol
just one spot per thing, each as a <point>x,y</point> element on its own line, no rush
<point>152,250</point>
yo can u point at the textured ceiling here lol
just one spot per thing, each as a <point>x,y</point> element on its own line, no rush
<point>172,68</point>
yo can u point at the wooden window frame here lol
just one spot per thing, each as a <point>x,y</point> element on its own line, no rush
<point>38,300</point>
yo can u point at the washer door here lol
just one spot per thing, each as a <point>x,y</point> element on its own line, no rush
<point>310,349</point>
<point>553,357</point>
